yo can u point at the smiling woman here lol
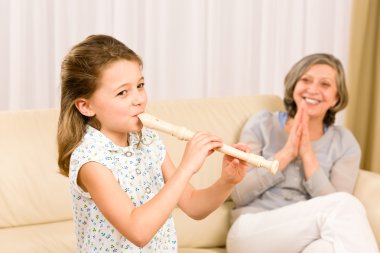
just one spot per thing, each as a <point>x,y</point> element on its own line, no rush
<point>319,164</point>
<point>323,73</point>
<point>316,92</point>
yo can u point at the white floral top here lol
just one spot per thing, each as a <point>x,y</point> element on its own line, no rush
<point>137,168</point>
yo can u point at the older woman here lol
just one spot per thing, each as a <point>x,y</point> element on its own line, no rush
<point>307,206</point>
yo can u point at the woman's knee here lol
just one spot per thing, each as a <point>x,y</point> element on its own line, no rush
<point>237,230</point>
<point>348,201</point>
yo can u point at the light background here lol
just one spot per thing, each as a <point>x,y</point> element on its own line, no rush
<point>190,49</point>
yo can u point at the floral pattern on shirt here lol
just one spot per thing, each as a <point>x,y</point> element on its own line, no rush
<point>137,168</point>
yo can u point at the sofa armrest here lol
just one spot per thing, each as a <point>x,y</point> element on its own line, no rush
<point>367,190</point>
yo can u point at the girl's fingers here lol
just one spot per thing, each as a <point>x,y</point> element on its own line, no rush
<point>242,147</point>
<point>208,140</point>
<point>204,144</point>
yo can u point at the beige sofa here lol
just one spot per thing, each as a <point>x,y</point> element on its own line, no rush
<point>35,205</point>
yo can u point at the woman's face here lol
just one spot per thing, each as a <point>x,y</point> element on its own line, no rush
<point>316,90</point>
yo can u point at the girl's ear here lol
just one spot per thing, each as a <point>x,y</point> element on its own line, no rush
<point>84,107</point>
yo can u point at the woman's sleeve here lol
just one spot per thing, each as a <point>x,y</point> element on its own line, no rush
<point>345,169</point>
<point>257,180</point>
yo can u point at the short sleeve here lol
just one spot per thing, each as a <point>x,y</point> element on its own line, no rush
<point>82,155</point>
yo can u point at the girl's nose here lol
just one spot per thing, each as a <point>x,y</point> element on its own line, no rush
<point>138,98</point>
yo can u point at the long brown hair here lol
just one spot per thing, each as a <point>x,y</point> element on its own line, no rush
<point>80,71</point>
<point>300,68</point>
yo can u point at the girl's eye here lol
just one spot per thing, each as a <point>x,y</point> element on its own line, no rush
<point>141,85</point>
<point>122,93</point>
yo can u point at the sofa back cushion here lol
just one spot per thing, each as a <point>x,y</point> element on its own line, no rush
<point>367,190</point>
<point>32,190</point>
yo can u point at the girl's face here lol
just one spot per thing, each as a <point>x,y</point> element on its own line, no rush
<point>316,91</point>
<point>119,99</point>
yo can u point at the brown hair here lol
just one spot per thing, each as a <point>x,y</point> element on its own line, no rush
<point>80,71</point>
<point>300,68</point>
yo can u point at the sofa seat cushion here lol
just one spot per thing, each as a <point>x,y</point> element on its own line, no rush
<point>49,237</point>
<point>195,250</point>
<point>207,233</point>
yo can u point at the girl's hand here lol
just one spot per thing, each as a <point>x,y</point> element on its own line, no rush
<point>234,170</point>
<point>197,149</point>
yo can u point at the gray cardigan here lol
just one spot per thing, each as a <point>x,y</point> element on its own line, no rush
<point>337,151</point>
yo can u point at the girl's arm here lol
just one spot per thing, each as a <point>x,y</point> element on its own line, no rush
<point>140,224</point>
<point>199,203</point>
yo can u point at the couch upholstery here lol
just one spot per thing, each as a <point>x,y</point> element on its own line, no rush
<point>35,205</point>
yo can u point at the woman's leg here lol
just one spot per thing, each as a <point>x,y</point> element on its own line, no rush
<point>282,230</point>
<point>319,246</point>
<point>337,218</point>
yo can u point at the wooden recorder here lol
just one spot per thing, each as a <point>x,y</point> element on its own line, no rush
<point>185,134</point>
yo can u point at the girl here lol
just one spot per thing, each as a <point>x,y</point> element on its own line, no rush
<point>124,185</point>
